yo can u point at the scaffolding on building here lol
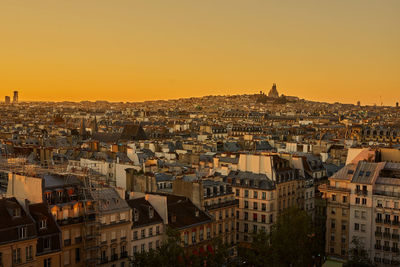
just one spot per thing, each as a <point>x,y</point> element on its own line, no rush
<point>92,182</point>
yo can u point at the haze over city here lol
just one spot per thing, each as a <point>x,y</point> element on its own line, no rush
<point>330,51</point>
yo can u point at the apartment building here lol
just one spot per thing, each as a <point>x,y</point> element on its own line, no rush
<point>216,198</point>
<point>289,186</point>
<point>361,208</point>
<point>147,231</point>
<point>386,209</point>
<point>219,201</point>
<point>48,248</point>
<point>257,203</point>
<point>18,236</point>
<point>115,227</point>
<point>63,196</point>
<point>193,224</point>
<point>309,197</point>
<point>337,194</point>
<point>363,198</point>
<point>94,223</point>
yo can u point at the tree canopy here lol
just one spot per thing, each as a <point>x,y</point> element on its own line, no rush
<point>293,241</point>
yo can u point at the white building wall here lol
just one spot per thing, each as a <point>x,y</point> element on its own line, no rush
<point>23,187</point>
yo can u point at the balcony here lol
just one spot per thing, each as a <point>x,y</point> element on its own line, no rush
<point>386,248</point>
<point>114,257</point>
<point>103,260</point>
<point>386,235</point>
<point>395,222</point>
<point>325,187</point>
<point>386,193</point>
<point>67,242</point>
<point>378,246</point>
<point>388,222</point>
<point>361,192</point>
<point>91,236</point>
<point>71,220</point>
<point>124,254</point>
<point>378,220</point>
<point>78,240</point>
<point>378,234</point>
<point>394,249</point>
<point>377,260</point>
<point>395,236</point>
<point>229,203</point>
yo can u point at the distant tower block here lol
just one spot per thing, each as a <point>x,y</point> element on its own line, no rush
<point>15,98</point>
<point>273,92</point>
<point>7,100</point>
<point>358,103</point>
<point>397,104</point>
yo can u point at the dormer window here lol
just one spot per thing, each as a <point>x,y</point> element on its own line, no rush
<point>46,243</point>
<point>16,212</point>
<point>135,215</point>
<point>43,224</point>
<point>151,212</point>
<point>59,194</point>
<point>48,197</point>
<point>22,232</point>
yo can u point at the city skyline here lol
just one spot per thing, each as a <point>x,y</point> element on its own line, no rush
<point>200,133</point>
<point>134,51</point>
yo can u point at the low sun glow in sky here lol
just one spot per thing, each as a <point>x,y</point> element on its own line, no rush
<point>131,50</point>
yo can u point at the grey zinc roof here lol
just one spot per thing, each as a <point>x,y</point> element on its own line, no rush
<point>389,180</point>
<point>345,173</point>
<point>212,183</point>
<point>392,165</point>
<point>109,200</point>
<point>367,172</point>
<point>229,160</point>
<point>263,182</point>
<point>55,180</point>
<point>160,177</point>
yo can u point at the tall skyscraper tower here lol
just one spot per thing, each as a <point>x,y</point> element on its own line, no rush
<point>7,100</point>
<point>15,98</point>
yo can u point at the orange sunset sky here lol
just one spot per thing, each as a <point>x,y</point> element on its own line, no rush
<point>128,50</point>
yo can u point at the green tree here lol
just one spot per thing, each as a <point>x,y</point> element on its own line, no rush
<point>293,241</point>
<point>220,255</point>
<point>259,253</point>
<point>171,253</point>
<point>358,255</point>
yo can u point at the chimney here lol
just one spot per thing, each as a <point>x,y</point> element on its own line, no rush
<point>27,204</point>
<point>151,212</point>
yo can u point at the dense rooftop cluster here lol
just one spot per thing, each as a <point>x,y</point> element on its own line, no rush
<point>97,183</point>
